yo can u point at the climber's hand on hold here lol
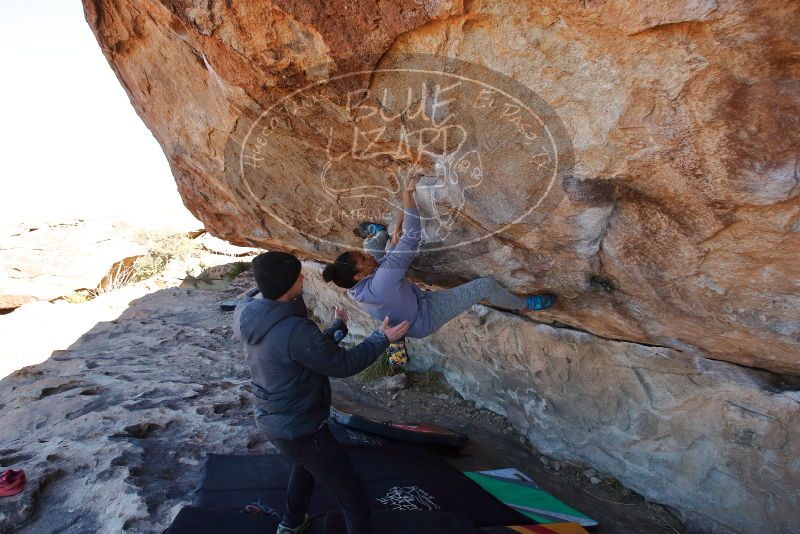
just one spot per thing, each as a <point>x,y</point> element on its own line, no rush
<point>411,184</point>
<point>394,333</point>
<point>409,202</point>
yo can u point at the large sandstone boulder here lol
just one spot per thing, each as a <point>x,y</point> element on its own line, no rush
<point>639,158</point>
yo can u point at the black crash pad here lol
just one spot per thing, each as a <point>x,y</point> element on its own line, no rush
<point>395,481</point>
<point>399,522</point>
<point>351,437</point>
<point>271,471</point>
<point>193,520</point>
<point>416,433</point>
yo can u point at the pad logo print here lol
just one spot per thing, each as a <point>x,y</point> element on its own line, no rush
<point>360,437</point>
<point>409,498</point>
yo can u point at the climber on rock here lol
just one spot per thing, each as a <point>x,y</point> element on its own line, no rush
<point>376,280</point>
<point>290,361</point>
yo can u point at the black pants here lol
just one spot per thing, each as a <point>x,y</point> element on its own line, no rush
<point>320,457</point>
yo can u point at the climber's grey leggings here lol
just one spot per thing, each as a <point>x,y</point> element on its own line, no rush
<point>449,303</point>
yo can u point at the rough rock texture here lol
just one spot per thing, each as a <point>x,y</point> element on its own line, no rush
<point>715,441</point>
<point>111,431</point>
<point>670,127</point>
<point>49,260</point>
<point>637,157</point>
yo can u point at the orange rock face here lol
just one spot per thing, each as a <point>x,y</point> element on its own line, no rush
<point>638,158</point>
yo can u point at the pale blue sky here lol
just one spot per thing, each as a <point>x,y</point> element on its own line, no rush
<point>72,145</point>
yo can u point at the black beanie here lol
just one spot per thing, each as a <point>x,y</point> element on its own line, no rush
<point>275,273</point>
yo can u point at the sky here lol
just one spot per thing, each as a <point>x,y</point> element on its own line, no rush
<point>71,143</point>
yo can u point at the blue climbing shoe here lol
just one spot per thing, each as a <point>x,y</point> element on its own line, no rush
<point>541,302</point>
<point>366,229</point>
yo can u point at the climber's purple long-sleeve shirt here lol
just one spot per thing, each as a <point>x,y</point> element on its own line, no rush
<point>387,292</point>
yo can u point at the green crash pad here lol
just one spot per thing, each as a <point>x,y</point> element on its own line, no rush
<point>518,491</point>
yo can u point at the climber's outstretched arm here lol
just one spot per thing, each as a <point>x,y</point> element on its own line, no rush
<point>398,226</point>
<point>409,202</point>
<point>393,268</point>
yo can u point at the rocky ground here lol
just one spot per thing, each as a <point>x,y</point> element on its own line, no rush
<point>111,430</point>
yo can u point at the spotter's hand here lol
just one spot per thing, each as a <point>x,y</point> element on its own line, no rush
<point>394,333</point>
<point>340,314</point>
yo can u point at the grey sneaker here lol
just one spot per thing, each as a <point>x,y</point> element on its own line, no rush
<point>283,528</point>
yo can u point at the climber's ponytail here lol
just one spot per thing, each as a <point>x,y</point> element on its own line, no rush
<point>341,272</point>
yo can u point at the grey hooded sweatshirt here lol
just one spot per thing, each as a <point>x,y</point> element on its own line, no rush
<point>290,361</point>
